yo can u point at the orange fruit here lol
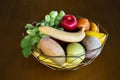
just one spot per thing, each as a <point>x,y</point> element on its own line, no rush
<point>83,22</point>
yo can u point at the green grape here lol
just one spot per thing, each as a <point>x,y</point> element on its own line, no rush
<point>36,29</point>
<point>51,24</point>
<point>42,24</point>
<point>53,14</point>
<point>52,20</point>
<point>58,18</point>
<point>61,13</point>
<point>57,22</point>
<point>46,24</point>
<point>47,18</point>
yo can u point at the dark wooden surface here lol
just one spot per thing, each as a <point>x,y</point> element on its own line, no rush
<point>14,14</point>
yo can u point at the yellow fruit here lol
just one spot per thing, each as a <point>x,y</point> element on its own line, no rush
<point>94,27</point>
<point>100,36</point>
<point>102,39</point>
<point>35,54</point>
<point>69,65</point>
<point>62,35</point>
<point>44,59</point>
<point>47,61</point>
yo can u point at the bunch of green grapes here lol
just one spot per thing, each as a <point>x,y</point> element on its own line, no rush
<point>53,19</point>
<point>34,35</point>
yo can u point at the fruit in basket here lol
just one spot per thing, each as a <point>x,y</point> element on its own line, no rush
<point>83,22</point>
<point>94,27</point>
<point>91,43</point>
<point>42,57</point>
<point>102,39</point>
<point>45,59</point>
<point>100,36</point>
<point>36,54</point>
<point>63,35</point>
<point>51,48</point>
<point>69,22</point>
<point>57,33</point>
<point>93,53</point>
<point>75,53</point>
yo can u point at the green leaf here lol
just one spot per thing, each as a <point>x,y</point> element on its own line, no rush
<point>27,51</point>
<point>28,37</point>
<point>29,26</point>
<point>25,42</point>
<point>30,32</point>
<point>36,29</point>
<point>35,40</point>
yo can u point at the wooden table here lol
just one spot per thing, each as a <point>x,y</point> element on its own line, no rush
<point>14,14</point>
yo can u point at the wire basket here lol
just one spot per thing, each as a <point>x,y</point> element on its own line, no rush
<point>83,60</point>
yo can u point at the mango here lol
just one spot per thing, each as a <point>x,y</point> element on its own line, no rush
<point>51,48</point>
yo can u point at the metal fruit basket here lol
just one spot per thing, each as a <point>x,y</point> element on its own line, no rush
<point>45,59</point>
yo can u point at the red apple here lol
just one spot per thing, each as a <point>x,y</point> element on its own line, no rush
<point>69,22</point>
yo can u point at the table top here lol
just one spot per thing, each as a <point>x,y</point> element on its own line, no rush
<point>14,14</point>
